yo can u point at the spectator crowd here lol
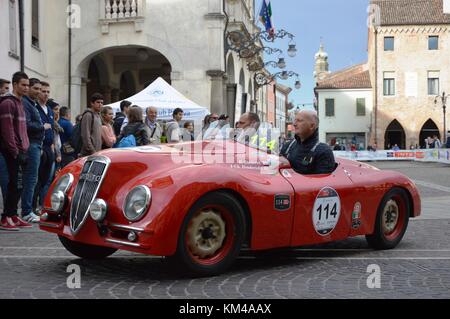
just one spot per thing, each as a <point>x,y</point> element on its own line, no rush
<point>38,138</point>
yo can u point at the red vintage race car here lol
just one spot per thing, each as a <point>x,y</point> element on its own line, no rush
<point>202,209</point>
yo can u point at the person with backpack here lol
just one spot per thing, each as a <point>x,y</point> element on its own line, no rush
<point>14,144</point>
<point>136,132</point>
<point>173,131</point>
<point>121,119</point>
<point>91,127</point>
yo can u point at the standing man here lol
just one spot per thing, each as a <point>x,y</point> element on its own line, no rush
<point>305,153</point>
<point>14,145</point>
<point>48,146</point>
<point>173,130</point>
<point>155,129</point>
<point>4,87</point>
<point>36,130</point>
<point>91,127</point>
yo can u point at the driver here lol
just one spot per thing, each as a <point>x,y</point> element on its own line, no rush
<point>305,153</point>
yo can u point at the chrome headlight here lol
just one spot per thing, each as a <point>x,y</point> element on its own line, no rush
<point>58,196</point>
<point>98,210</point>
<point>137,203</point>
<point>58,200</point>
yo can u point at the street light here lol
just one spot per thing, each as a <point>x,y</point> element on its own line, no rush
<point>443,99</point>
<point>262,79</point>
<point>249,46</point>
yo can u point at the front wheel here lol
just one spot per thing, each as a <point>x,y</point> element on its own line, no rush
<point>391,221</point>
<point>212,234</point>
<point>86,251</point>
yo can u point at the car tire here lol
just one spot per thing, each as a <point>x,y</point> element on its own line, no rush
<point>86,251</point>
<point>211,235</point>
<point>391,221</point>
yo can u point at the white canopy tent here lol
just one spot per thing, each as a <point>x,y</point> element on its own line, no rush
<point>166,99</point>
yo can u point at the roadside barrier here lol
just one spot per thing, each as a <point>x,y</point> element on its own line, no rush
<point>432,155</point>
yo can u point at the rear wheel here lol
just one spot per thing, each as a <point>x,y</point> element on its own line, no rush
<point>86,251</point>
<point>391,221</point>
<point>212,234</point>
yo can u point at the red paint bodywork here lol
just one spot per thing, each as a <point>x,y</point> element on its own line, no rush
<point>176,187</point>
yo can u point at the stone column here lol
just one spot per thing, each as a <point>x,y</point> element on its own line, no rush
<point>231,102</point>
<point>76,96</point>
<point>217,83</point>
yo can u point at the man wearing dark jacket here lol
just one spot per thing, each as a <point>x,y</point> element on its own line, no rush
<point>35,129</point>
<point>14,145</point>
<point>305,153</point>
<point>48,147</point>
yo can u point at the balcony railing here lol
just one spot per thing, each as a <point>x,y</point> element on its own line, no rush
<point>119,11</point>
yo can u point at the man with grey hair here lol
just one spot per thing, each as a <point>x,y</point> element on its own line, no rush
<point>305,153</point>
<point>155,129</point>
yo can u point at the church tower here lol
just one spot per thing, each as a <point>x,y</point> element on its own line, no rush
<point>321,68</point>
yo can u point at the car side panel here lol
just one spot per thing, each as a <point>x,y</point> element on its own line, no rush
<point>307,188</point>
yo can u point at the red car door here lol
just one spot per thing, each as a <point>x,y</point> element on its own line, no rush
<point>323,207</point>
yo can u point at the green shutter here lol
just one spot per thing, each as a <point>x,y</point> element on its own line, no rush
<point>361,107</point>
<point>329,107</point>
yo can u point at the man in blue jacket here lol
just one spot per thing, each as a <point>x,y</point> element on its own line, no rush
<point>35,129</point>
<point>48,147</point>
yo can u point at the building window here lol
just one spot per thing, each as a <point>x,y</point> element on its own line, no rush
<point>388,43</point>
<point>361,107</point>
<point>35,23</point>
<point>389,84</point>
<point>433,83</point>
<point>329,107</point>
<point>433,43</point>
<point>13,28</point>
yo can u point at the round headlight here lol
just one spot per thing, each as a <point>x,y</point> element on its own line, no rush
<point>137,202</point>
<point>58,200</point>
<point>98,210</point>
<point>63,184</point>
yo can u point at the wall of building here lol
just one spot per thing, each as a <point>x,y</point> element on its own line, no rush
<point>8,64</point>
<point>411,57</point>
<point>345,119</point>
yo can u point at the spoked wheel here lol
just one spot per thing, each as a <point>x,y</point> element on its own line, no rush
<point>392,220</point>
<point>211,235</point>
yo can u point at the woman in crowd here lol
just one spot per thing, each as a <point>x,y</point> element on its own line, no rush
<point>136,127</point>
<point>108,136</point>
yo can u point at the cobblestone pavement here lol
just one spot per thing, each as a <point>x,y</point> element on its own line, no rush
<point>34,265</point>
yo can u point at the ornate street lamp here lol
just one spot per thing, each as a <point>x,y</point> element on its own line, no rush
<point>443,99</point>
<point>249,46</point>
<point>261,79</point>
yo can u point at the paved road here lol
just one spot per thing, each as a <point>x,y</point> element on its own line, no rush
<point>34,265</point>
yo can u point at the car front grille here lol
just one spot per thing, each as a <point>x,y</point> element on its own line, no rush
<point>88,186</point>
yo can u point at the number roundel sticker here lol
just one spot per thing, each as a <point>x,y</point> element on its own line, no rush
<point>327,210</point>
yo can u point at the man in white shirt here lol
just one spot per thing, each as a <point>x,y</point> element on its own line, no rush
<point>156,131</point>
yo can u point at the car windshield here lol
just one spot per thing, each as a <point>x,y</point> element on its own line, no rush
<point>265,138</point>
